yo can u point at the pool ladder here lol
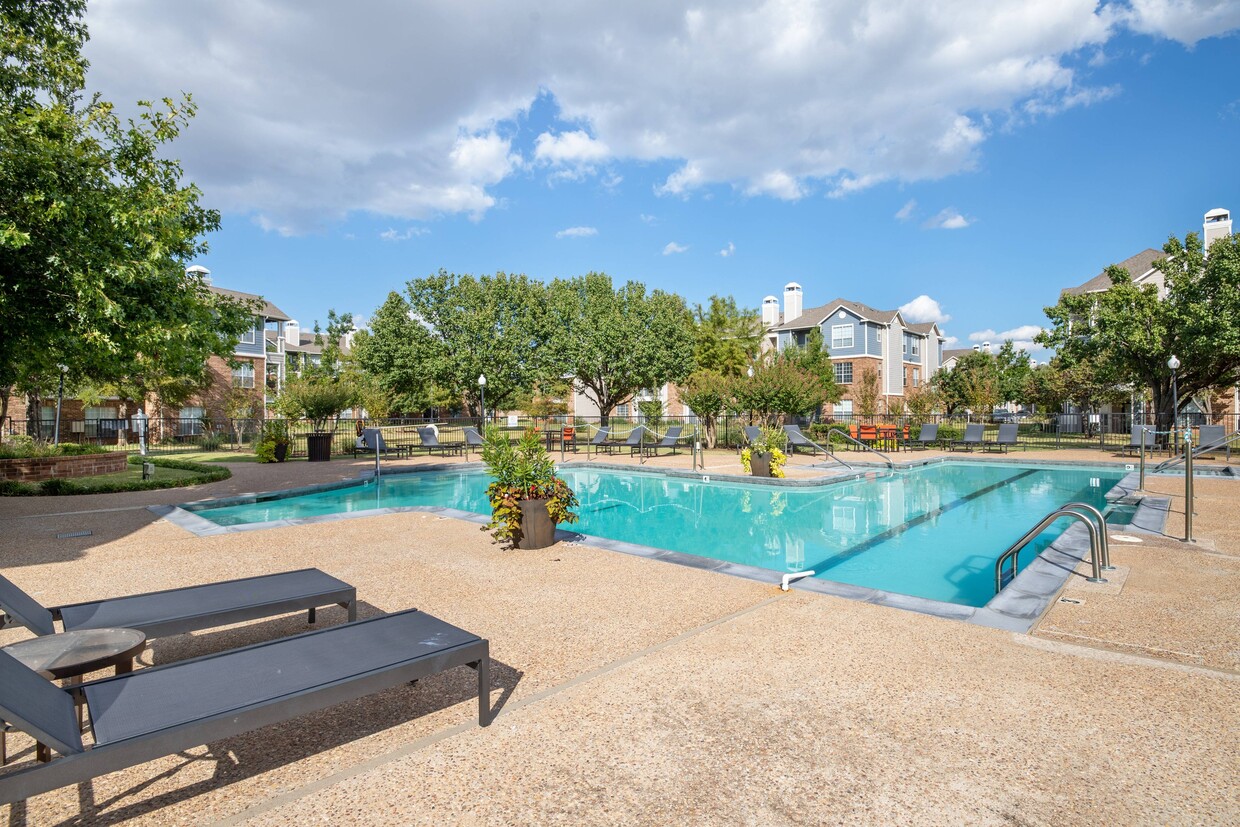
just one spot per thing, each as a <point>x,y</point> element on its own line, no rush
<point>1099,550</point>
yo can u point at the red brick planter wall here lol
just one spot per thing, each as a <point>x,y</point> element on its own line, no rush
<point>34,469</point>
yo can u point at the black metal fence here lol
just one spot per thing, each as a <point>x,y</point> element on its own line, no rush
<point>177,435</point>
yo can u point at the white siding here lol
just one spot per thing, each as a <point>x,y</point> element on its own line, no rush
<point>893,360</point>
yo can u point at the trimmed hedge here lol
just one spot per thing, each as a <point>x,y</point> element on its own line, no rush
<point>59,487</point>
<point>23,447</point>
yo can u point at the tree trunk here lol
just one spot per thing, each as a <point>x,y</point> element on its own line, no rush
<point>34,416</point>
<point>708,426</point>
<point>1164,412</point>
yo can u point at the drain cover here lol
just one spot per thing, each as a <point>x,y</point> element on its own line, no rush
<point>67,534</point>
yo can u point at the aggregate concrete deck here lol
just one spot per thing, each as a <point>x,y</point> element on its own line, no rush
<point>630,691</point>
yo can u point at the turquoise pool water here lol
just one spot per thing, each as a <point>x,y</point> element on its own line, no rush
<point>932,532</point>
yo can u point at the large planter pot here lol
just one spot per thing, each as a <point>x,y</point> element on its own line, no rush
<point>282,451</point>
<point>319,447</point>
<point>537,527</point>
<point>760,464</point>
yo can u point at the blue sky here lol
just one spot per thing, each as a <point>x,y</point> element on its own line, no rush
<point>877,152</point>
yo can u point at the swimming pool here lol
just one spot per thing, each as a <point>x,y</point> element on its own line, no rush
<point>932,532</point>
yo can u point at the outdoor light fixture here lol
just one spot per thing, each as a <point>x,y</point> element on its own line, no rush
<point>1174,364</point>
<point>60,398</point>
<point>482,387</point>
<point>139,423</point>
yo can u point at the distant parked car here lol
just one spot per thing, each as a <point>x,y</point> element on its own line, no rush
<point>1002,416</point>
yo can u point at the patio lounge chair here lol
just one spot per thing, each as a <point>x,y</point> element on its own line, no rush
<point>1212,439</point>
<point>669,440</point>
<point>797,439</point>
<point>972,437</point>
<point>473,440</point>
<point>633,443</point>
<point>368,439</point>
<point>184,610</point>
<point>601,437</point>
<point>431,443</point>
<point>928,436</point>
<point>150,713</point>
<point>1134,443</point>
<point>1008,436</point>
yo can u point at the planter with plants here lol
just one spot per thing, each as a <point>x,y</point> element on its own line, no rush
<point>272,445</point>
<point>765,456</point>
<point>527,499</point>
<point>319,399</point>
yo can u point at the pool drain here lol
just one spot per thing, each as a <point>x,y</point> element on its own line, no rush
<point>65,535</point>
<point>1071,600</point>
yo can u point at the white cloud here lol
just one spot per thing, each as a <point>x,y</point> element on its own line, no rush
<point>1186,21</point>
<point>948,219</point>
<point>906,212</point>
<point>728,251</point>
<point>950,341</point>
<point>391,234</point>
<point>672,248</point>
<point>647,219</point>
<point>310,111</point>
<point>923,309</point>
<point>577,232</point>
<point>1022,336</point>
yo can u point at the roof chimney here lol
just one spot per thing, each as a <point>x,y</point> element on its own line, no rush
<point>976,348</point>
<point>792,301</point>
<point>770,311</point>
<point>1217,225</point>
<point>986,347</point>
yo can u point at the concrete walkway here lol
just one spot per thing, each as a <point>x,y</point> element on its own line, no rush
<point>635,692</point>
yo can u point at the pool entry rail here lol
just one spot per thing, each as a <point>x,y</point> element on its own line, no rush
<point>1099,550</point>
<point>865,447</point>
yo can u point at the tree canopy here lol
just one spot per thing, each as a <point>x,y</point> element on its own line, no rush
<point>616,341</point>
<point>96,226</point>
<point>1128,332</point>
<point>727,338</point>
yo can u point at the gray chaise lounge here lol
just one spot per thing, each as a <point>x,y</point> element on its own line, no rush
<point>150,713</point>
<point>668,441</point>
<point>188,609</point>
<point>798,439</point>
<point>928,435</point>
<point>973,435</point>
<point>1009,435</point>
<point>1140,433</point>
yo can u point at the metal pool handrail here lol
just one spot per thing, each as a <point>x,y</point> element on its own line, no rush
<point>1217,445</point>
<point>864,447</point>
<point>1096,545</point>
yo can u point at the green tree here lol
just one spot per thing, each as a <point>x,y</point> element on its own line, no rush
<point>1013,373</point>
<point>780,386</point>
<point>867,390</point>
<point>397,352</point>
<point>815,358</point>
<point>727,338</point>
<point>708,393</point>
<point>616,341</point>
<point>1129,333</point>
<point>96,226</point>
<point>494,326</point>
<point>921,402</point>
<point>973,384</point>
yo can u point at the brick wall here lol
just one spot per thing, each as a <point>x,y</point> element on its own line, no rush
<point>34,469</point>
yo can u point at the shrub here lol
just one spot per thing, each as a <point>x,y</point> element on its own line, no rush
<point>61,486</point>
<point>522,472</point>
<point>21,446</point>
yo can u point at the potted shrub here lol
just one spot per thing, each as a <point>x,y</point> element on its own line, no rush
<point>273,441</point>
<point>318,399</point>
<point>527,499</point>
<point>765,457</point>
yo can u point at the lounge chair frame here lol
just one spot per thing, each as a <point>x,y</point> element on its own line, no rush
<point>669,440</point>
<point>1009,435</point>
<point>922,440</point>
<point>77,763</point>
<point>303,589</point>
<point>979,434</point>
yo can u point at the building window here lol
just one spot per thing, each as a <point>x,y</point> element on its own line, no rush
<point>243,375</point>
<point>622,411</point>
<point>916,377</point>
<point>916,347</point>
<point>843,373</point>
<point>843,410</point>
<point>250,336</point>
<point>841,336</point>
<point>904,347</point>
<point>190,423</point>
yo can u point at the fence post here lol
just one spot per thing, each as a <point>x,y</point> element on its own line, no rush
<point>1188,485</point>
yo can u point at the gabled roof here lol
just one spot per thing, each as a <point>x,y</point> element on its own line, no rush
<point>1137,266</point>
<point>816,315</point>
<point>268,310</point>
<point>956,353</point>
<point>925,328</point>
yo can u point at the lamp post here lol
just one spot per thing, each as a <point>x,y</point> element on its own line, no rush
<point>482,389</point>
<point>749,372</point>
<point>60,398</point>
<point>1174,364</point>
<point>140,422</point>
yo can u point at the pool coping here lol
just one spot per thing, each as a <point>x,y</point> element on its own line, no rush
<point>1016,608</point>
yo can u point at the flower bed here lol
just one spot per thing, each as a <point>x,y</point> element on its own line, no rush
<point>36,469</point>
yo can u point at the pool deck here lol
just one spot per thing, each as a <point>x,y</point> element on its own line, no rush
<point>634,692</point>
